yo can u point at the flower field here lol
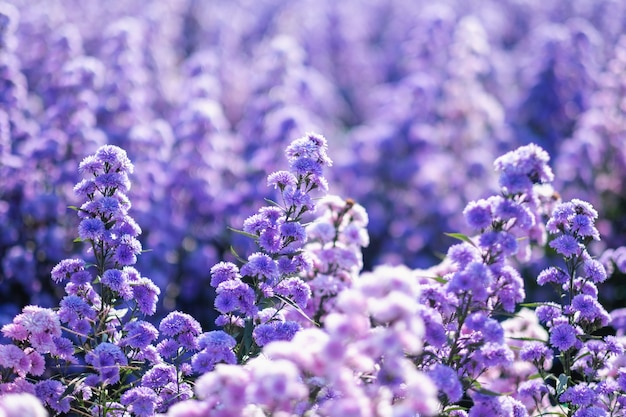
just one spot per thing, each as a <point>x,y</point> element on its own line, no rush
<point>369,208</point>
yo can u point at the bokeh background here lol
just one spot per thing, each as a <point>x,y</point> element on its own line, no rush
<point>416,98</point>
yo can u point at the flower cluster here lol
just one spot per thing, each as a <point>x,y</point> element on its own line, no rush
<point>251,298</point>
<point>335,242</point>
<point>460,307</point>
<point>94,339</point>
<point>586,357</point>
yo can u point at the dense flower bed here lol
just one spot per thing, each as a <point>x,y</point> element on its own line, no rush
<point>316,208</point>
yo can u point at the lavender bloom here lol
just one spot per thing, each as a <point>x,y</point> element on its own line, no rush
<point>177,323</point>
<point>73,309</point>
<point>563,337</point>
<point>295,289</point>
<point>447,381</point>
<point>535,352</point>
<point>524,167</point>
<point>548,312</point>
<point>159,376</point>
<point>66,268</point>
<point>274,330</point>
<point>117,280</point>
<point>91,229</point>
<point>235,295</point>
<point>141,401</point>
<point>139,334</point>
<point>478,214</point>
<point>107,359</point>
<point>223,271</point>
<point>579,395</point>
<point>552,275</point>
<point>594,270</point>
<point>51,393</point>
<point>567,246</point>
<point>146,294</point>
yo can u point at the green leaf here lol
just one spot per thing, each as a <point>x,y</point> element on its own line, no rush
<point>437,278</point>
<point>247,340</point>
<point>561,384</point>
<point>273,203</point>
<point>241,232</point>
<point>461,237</point>
<point>296,307</point>
<point>532,305</point>
<point>236,255</point>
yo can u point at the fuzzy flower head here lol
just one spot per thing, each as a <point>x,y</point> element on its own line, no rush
<point>312,146</point>
<point>114,158</point>
<point>574,218</point>
<point>66,268</point>
<point>107,359</point>
<point>522,168</point>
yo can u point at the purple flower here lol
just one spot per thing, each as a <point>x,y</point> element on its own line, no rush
<point>552,275</point>
<point>90,165</point>
<point>494,354</point>
<point>64,269</point>
<point>235,295</point>
<point>548,312</point>
<point>127,250</point>
<point>117,280</point>
<point>107,359</point>
<point>168,348</point>
<point>203,362</point>
<point>261,265</point>
<point>588,307</point>
<point>256,223</point>
<point>139,334</point>
<point>270,240</point>
<point>146,295</point>
<point>281,179</point>
<point>447,381</point>
<point>311,146</point>
<point>141,401</point>
<point>566,245</point>
<point>294,232</point>
<point>74,308</point>
<point>12,357</point>
<point>37,320</point>
<point>85,188</point>
<point>216,340</point>
<point>463,253</point>
<point>594,270</point>
<point>534,389</point>
<point>115,157</point>
<point>579,395</point>
<point>50,392</point>
<point>478,214</point>
<point>159,376</point>
<point>535,352</point>
<point>523,167</point>
<point>176,323</point>
<point>563,336</point>
<point>296,289</point>
<point>113,180</point>
<point>223,271</point>
<point>583,225</point>
<point>274,330</point>
<point>475,278</point>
